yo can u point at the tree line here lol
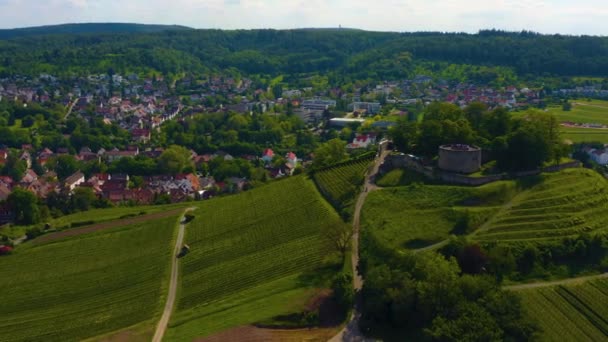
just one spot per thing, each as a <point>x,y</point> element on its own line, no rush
<point>337,53</point>
<point>518,143</point>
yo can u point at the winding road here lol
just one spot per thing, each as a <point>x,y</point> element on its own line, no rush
<point>164,320</point>
<point>351,331</point>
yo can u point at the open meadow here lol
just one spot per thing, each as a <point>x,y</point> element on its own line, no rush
<point>577,312</point>
<point>86,285</point>
<point>418,215</point>
<point>253,256</point>
<point>579,135</point>
<point>583,111</point>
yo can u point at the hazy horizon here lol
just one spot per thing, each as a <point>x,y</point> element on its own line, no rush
<point>587,17</point>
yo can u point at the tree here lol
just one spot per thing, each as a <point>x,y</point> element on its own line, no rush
<point>342,285</point>
<point>404,134</point>
<point>535,140</point>
<point>14,166</point>
<point>474,112</point>
<point>331,152</point>
<point>338,237</point>
<point>65,166</point>
<point>174,160</point>
<point>82,199</point>
<point>25,206</point>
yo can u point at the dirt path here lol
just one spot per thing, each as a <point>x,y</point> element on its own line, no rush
<point>555,282</point>
<point>105,225</point>
<point>164,320</point>
<point>351,331</point>
<point>70,109</point>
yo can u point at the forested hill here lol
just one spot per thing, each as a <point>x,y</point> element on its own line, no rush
<point>334,52</point>
<point>95,28</point>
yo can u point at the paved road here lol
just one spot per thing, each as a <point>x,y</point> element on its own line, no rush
<point>164,320</point>
<point>554,283</point>
<point>351,332</point>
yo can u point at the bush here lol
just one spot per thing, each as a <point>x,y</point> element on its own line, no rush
<point>33,233</point>
<point>188,218</point>
<point>82,223</point>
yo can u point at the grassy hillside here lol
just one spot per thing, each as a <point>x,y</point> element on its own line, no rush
<point>570,313</point>
<point>561,204</point>
<point>419,215</point>
<point>88,285</point>
<point>249,254</point>
<point>340,184</point>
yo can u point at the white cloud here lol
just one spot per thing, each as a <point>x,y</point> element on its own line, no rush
<point>547,16</point>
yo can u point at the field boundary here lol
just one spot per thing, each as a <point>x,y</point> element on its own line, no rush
<point>104,225</point>
<point>568,281</point>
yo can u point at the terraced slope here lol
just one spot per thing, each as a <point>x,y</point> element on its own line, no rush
<point>248,253</point>
<point>86,286</point>
<point>565,203</point>
<point>340,184</point>
<point>570,313</point>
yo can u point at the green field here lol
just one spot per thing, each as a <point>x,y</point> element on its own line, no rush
<point>88,285</point>
<point>249,254</point>
<point>92,216</point>
<point>561,204</point>
<point>419,215</point>
<point>401,177</point>
<point>582,111</point>
<point>570,312</point>
<point>340,184</point>
<point>579,135</point>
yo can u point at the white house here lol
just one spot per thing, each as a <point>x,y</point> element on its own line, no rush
<point>74,180</point>
<point>363,141</point>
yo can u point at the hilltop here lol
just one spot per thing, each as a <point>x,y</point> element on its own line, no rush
<point>87,28</point>
<point>487,55</point>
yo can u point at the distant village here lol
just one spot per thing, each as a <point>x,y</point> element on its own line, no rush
<point>142,105</point>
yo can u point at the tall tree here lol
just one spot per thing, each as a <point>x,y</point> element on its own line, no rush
<point>25,206</point>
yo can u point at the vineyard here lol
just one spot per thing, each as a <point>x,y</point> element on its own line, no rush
<point>247,255</point>
<point>570,312</point>
<point>340,184</point>
<point>87,285</point>
<point>419,215</point>
<point>562,204</point>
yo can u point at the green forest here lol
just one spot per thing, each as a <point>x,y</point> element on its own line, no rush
<point>342,54</point>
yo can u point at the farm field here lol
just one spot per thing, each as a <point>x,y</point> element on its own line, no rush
<point>577,312</point>
<point>249,254</point>
<point>93,216</point>
<point>583,111</point>
<point>341,183</point>
<point>562,204</point>
<point>86,286</point>
<point>578,135</point>
<point>416,216</point>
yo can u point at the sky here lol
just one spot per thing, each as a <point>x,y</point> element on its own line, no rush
<point>545,16</point>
